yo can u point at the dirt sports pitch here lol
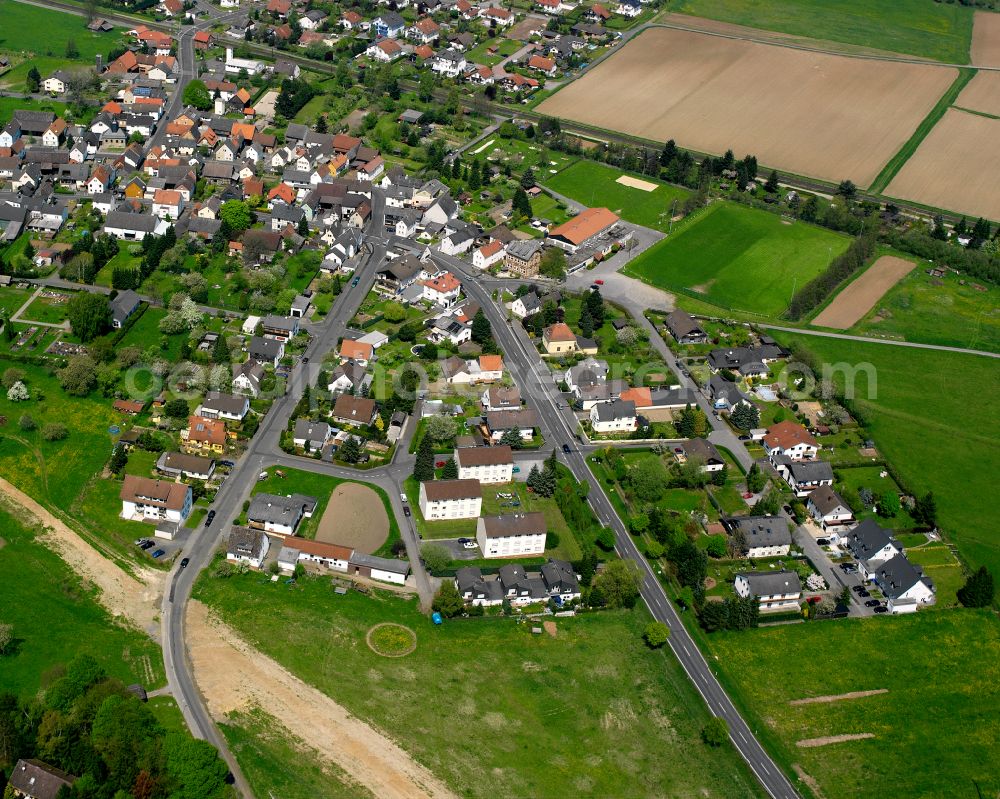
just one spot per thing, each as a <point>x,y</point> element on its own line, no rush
<point>355,517</point>
<point>827,116</point>
<point>955,167</point>
<point>860,297</point>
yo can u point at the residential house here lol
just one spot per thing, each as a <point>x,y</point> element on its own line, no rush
<point>705,453</point>
<point>281,328</point>
<point>247,378</point>
<point>356,351</point>
<point>618,416</point>
<point>485,464</point>
<point>145,498</point>
<point>183,466</point>
<point>501,398</point>
<point>511,535</point>
<point>829,510</point>
<point>805,476</point>
<point>747,361</point>
<point>167,204</point>
<point>449,63</point>
<point>542,64</point>
<point>871,546</point>
<point>775,590</point>
<point>33,779</point>
<point>352,410</point>
<point>523,257</point>
<point>789,440</point>
<point>725,395</point>
<point>523,420</point>
<point>385,50</point>
<point>266,350</point>
<point>525,306</point>
<point>558,339</point>
<point>387,570</point>
<point>311,436</point>
<point>905,586</point>
<point>476,589</point>
<point>204,435</point>
<point>247,545</point>
<point>489,254</point>
<point>442,289</point>
<point>277,514</point>
<point>389,25</point>
<point>759,536</point>
<point>123,306</point>
<point>584,229</point>
<point>217,405</point>
<point>349,377</point>
<point>318,553</point>
<point>450,499</point>
<point>684,328</point>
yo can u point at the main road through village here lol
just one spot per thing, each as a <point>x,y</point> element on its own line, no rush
<point>558,427</point>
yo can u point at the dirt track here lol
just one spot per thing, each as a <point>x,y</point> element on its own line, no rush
<point>851,305</point>
<point>817,700</point>
<point>827,116</point>
<point>232,675</point>
<point>355,517</point>
<point>954,168</point>
<point>121,594</point>
<point>809,743</point>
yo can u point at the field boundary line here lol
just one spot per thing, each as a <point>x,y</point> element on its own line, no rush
<point>817,700</point>
<point>867,340</point>
<point>896,163</point>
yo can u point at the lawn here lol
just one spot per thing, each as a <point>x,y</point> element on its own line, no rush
<point>939,31</point>
<point>11,299</point>
<point>937,728</point>
<point>41,34</point>
<point>277,764</point>
<point>934,423</point>
<point>56,617</point>
<point>49,310</point>
<point>595,184</point>
<point>145,334</point>
<point>505,47</point>
<point>943,568</point>
<point>738,257</point>
<point>937,311</point>
<point>8,105</point>
<point>590,711</point>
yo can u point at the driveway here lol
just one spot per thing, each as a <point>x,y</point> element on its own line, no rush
<point>835,577</point>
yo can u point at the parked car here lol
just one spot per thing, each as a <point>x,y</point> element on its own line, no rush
<point>147,545</point>
<point>402,496</point>
<point>228,464</point>
<point>406,510</point>
<point>823,542</point>
<point>744,437</point>
<point>159,553</point>
<point>464,540</point>
<point>872,603</point>
<point>140,541</point>
<point>470,545</point>
<point>864,593</point>
<point>858,589</point>
<point>262,476</point>
<point>210,518</point>
<point>185,562</point>
<point>881,609</point>
<point>439,464</point>
<point>599,282</point>
<point>305,359</point>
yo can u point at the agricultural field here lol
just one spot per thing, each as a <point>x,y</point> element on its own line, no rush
<point>986,39</point>
<point>982,94</point>
<point>931,419</point>
<point>939,31</point>
<point>951,169</point>
<point>932,725</point>
<point>937,311</point>
<point>826,116</point>
<point>35,585</point>
<point>593,707</point>
<point>739,257</point>
<point>39,36</point>
<point>277,764</point>
<point>595,184</point>
<point>862,294</point>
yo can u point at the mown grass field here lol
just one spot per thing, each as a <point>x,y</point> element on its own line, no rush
<point>940,31</point>
<point>740,258</point>
<point>935,423</point>
<point>592,711</point>
<point>937,311</point>
<point>595,184</point>
<point>40,35</point>
<point>8,105</point>
<point>937,730</point>
<point>56,617</point>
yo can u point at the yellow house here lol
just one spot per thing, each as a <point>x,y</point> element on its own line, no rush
<point>558,339</point>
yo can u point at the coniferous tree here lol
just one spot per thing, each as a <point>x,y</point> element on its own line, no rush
<point>423,469</point>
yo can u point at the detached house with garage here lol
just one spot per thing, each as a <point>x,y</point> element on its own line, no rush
<point>450,499</point>
<point>776,590</point>
<point>485,464</point>
<point>618,416</point>
<point>829,510</point>
<point>905,586</point>
<point>791,441</point>
<point>806,476</point>
<point>871,545</point>
<point>144,498</point>
<point>279,515</point>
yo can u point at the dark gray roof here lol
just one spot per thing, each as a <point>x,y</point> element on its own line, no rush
<point>225,403</point>
<point>391,19</point>
<point>681,325</point>
<point>512,420</point>
<point>559,577</point>
<point>245,542</point>
<point>761,531</point>
<point>279,510</point>
<point>123,305</point>
<point>810,471</point>
<point>825,499</point>
<point>773,582</point>
<point>868,538</point>
<point>511,524</point>
<point>141,223</point>
<point>383,564</point>
<point>311,431</point>
<point>268,348</point>
<point>700,448</point>
<point>618,409</point>
<point>746,360</point>
<point>897,576</point>
<point>175,462</point>
<point>38,780</point>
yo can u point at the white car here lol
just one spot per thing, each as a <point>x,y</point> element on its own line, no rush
<point>402,496</point>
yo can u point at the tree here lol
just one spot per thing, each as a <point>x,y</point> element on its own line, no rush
<point>440,428</point>
<point>978,590</point>
<point>648,480</point>
<point>11,376</point>
<point>450,470</point>
<point>745,416</point>
<point>553,264</point>
<point>586,322</point>
<point>656,634</point>
<point>423,468</point>
<point>595,304</point>
<point>447,601</point>
<point>771,186</point>
<point>482,332</point>
<point>18,392</point>
<point>6,637</point>
<point>436,556</point>
<point>606,540</point>
<point>321,126</point>
<point>236,215</point>
<point>847,190</point>
<point>520,204</point>
<point>393,312</point>
<point>527,179</point>
<point>195,767</point>
<point>176,409</point>
<point>719,477</point>
<point>888,505</point>
<point>33,81</point>
<point>715,732</point>
<point>54,431</point>
<point>89,315</point>
<point>196,94</point>
<point>79,377</point>
<point>545,485</point>
<point>534,476</point>
<point>72,51</point>
<point>350,450</point>
<point>512,438</point>
<point>118,460</point>
<point>925,510</point>
<point>619,583</point>
<point>756,479</point>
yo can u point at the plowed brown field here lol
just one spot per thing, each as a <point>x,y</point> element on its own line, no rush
<point>986,39</point>
<point>955,167</point>
<point>860,297</point>
<point>827,116</point>
<point>982,93</point>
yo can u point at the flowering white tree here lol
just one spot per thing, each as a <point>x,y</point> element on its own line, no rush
<point>18,392</point>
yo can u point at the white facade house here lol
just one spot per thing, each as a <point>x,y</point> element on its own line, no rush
<point>618,416</point>
<point>511,535</point>
<point>247,546</point>
<point>789,440</point>
<point>145,498</point>
<point>775,590</point>
<point>904,585</point>
<point>280,515</point>
<point>450,499</point>
<point>760,536</point>
<point>829,510</point>
<point>485,464</point>
<point>489,254</point>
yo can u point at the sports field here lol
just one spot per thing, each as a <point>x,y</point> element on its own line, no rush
<point>916,27</point>
<point>935,721</point>
<point>740,258</point>
<point>933,416</point>
<point>952,169</point>
<point>826,116</point>
<point>937,311</point>
<point>355,518</point>
<point>596,185</point>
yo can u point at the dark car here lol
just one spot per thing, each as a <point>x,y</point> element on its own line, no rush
<point>858,589</point>
<point>147,545</point>
<point>185,562</point>
<point>872,603</point>
<point>823,542</point>
<point>864,593</point>
<point>744,437</point>
<point>210,518</point>
<point>229,464</point>
<point>463,540</point>
<point>566,449</point>
<point>305,359</point>
<point>881,609</point>
<point>355,281</point>
<point>159,553</point>
<point>406,510</point>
